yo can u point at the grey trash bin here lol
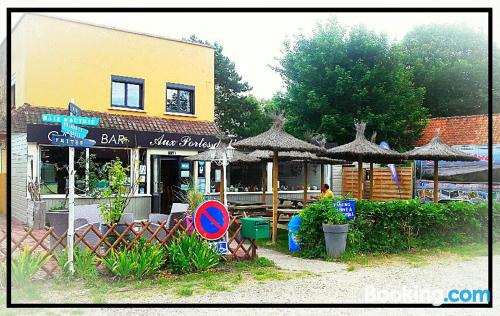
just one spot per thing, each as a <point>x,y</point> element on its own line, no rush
<point>335,239</point>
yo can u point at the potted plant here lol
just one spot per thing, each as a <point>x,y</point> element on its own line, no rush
<point>115,196</point>
<point>193,199</point>
<point>335,229</point>
<point>36,207</point>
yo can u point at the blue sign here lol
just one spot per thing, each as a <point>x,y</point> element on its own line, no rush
<point>220,247</point>
<point>79,120</point>
<point>73,130</point>
<point>64,140</point>
<point>347,207</point>
<point>211,220</point>
<point>73,109</point>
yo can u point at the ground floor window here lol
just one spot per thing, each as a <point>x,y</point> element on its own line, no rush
<point>245,177</point>
<point>54,166</point>
<point>291,176</point>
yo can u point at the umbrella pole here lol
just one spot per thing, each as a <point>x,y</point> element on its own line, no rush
<point>275,196</point>
<point>371,181</point>
<point>264,182</point>
<point>436,186</point>
<point>304,201</point>
<point>322,177</point>
<point>222,185</point>
<point>360,176</point>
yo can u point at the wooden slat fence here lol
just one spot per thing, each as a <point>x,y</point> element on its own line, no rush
<point>102,241</point>
<point>384,188</point>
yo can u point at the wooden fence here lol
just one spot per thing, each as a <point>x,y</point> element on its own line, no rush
<point>102,241</point>
<point>384,187</point>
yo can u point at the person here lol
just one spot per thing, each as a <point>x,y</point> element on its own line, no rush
<point>326,193</point>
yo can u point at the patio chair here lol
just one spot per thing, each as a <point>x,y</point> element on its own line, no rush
<point>158,218</point>
<point>159,236</point>
<point>178,212</point>
<point>90,212</point>
<point>91,238</point>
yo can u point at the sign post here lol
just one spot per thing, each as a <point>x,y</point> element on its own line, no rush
<point>74,136</point>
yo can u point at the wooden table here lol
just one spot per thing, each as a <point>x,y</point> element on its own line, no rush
<point>245,203</point>
<point>295,201</point>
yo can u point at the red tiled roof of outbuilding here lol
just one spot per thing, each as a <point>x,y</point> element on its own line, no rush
<point>462,130</point>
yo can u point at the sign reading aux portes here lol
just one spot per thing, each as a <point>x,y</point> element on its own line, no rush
<point>43,134</point>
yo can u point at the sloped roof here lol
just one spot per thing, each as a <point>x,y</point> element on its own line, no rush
<point>28,114</point>
<point>462,130</point>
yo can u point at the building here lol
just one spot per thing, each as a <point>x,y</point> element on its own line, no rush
<point>462,179</point>
<point>154,97</point>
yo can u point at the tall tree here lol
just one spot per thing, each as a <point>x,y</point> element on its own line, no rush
<point>451,62</point>
<point>334,77</point>
<point>235,112</point>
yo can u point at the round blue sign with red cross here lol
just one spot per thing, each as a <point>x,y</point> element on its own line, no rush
<point>211,220</point>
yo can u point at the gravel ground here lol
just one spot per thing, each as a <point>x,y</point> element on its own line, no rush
<point>331,283</point>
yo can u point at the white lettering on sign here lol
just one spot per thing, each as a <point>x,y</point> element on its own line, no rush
<point>161,141</point>
<point>113,139</point>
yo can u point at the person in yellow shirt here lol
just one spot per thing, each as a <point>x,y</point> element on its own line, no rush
<point>326,193</point>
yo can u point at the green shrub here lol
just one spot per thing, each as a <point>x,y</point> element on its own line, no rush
<point>83,263</point>
<point>398,225</point>
<point>190,253</point>
<point>141,260</point>
<point>25,265</point>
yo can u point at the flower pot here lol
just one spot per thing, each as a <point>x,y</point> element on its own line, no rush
<point>59,221</point>
<point>335,239</point>
<point>36,214</point>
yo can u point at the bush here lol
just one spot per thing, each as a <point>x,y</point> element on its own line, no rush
<point>143,259</point>
<point>190,253</point>
<point>25,265</point>
<point>83,262</point>
<point>398,225</point>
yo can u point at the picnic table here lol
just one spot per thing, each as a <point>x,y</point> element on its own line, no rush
<point>295,201</point>
<point>245,203</point>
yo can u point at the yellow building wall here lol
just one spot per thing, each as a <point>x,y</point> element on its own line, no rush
<point>65,60</point>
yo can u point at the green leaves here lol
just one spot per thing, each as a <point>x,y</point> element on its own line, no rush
<point>190,253</point>
<point>25,265</point>
<point>142,260</point>
<point>116,193</point>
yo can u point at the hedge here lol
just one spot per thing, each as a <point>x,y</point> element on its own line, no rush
<point>388,227</point>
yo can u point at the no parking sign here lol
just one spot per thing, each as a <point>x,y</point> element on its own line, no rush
<point>211,220</point>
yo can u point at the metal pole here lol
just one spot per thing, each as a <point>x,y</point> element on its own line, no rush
<point>223,178</point>
<point>87,166</point>
<point>71,200</point>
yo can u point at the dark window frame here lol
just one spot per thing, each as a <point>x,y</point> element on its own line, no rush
<point>127,81</point>
<point>180,87</point>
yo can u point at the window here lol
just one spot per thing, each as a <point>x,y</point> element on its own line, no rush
<point>127,92</point>
<point>54,166</point>
<point>180,98</point>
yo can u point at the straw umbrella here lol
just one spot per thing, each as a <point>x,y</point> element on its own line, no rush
<point>276,140</point>
<point>306,157</point>
<point>437,150</point>
<point>361,150</point>
<point>238,157</point>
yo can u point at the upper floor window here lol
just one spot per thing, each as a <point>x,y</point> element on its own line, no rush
<point>180,98</point>
<point>127,92</point>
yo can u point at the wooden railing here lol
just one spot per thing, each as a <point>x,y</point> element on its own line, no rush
<point>117,236</point>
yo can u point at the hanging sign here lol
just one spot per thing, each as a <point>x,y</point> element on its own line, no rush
<point>211,220</point>
<point>68,141</point>
<point>79,120</point>
<point>73,109</point>
<point>73,130</point>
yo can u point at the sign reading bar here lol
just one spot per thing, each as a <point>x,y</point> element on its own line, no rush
<point>42,134</point>
<point>79,120</point>
<point>73,130</point>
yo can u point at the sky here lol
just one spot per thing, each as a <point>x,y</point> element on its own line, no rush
<point>255,40</point>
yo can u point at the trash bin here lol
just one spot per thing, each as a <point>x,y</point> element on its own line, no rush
<point>293,228</point>
<point>255,228</point>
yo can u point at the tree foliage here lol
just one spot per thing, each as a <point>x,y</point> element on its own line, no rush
<point>451,62</point>
<point>235,112</point>
<point>334,77</point>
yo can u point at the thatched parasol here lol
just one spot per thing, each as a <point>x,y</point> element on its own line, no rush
<point>437,150</point>
<point>277,140</point>
<point>306,157</point>
<point>238,157</point>
<point>361,150</point>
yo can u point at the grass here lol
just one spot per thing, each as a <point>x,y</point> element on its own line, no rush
<point>224,278</point>
<point>413,258</point>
